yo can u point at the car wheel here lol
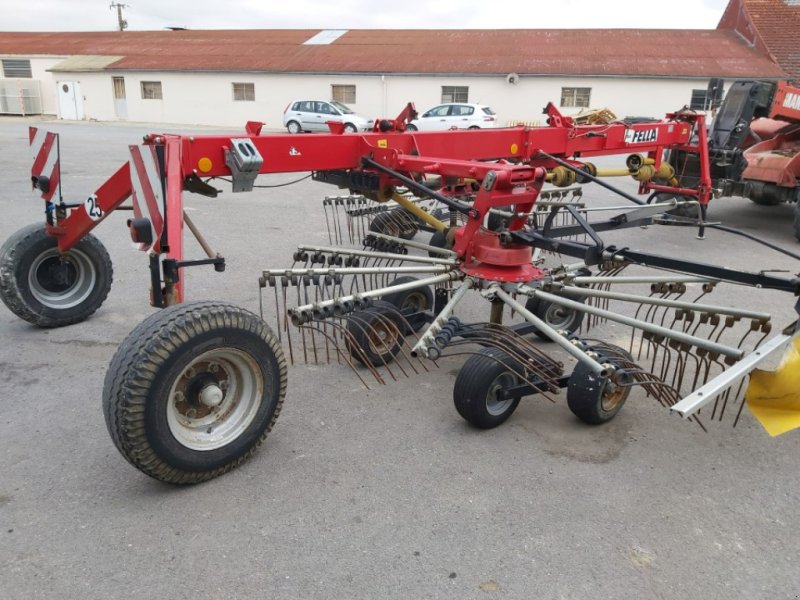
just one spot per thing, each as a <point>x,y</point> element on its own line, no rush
<point>349,128</point>
<point>410,127</point>
<point>474,127</point>
<point>293,127</point>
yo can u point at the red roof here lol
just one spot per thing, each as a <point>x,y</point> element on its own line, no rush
<point>604,52</point>
<point>773,25</point>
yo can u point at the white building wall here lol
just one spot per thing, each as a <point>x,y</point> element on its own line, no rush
<point>39,72</point>
<point>207,98</point>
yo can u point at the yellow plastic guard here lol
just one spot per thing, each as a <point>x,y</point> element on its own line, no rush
<point>774,396</point>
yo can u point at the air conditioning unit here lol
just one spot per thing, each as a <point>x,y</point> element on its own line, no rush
<point>512,78</point>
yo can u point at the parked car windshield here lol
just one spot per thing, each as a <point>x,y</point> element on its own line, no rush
<point>344,108</point>
<point>488,110</point>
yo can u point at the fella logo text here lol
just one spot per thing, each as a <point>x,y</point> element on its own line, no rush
<point>640,136</point>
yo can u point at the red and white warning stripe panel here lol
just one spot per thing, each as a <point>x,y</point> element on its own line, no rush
<point>44,146</point>
<point>148,196</point>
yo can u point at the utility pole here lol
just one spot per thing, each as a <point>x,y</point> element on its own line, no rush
<point>123,24</point>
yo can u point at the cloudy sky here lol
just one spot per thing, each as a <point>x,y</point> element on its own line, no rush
<point>96,15</point>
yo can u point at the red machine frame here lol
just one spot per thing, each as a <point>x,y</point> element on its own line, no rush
<point>517,161</point>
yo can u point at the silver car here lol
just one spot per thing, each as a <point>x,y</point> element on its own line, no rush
<point>312,115</point>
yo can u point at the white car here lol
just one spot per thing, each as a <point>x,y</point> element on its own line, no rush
<point>312,115</point>
<point>455,115</point>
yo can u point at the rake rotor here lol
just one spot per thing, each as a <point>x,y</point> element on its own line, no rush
<point>387,307</point>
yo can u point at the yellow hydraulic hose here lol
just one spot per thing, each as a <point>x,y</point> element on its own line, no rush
<point>418,212</point>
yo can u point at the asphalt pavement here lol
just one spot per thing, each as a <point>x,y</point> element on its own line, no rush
<point>373,493</point>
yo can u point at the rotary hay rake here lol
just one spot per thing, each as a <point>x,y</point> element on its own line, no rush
<point>195,388</point>
<point>383,313</point>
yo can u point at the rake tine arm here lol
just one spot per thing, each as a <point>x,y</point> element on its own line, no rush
<point>567,345</point>
<point>705,394</point>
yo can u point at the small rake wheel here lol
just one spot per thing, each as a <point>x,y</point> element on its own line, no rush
<point>595,399</point>
<point>440,239</point>
<point>193,390</point>
<point>375,334</point>
<point>412,304</point>
<point>475,393</point>
<point>558,317</point>
<point>397,222</point>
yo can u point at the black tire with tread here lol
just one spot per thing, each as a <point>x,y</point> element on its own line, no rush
<point>413,301</point>
<point>439,239</point>
<point>397,222</point>
<point>365,326</point>
<point>586,390</point>
<point>476,380</point>
<point>17,256</point>
<point>565,319</point>
<point>135,392</point>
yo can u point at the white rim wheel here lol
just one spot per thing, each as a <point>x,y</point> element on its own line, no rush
<point>61,281</point>
<point>215,399</point>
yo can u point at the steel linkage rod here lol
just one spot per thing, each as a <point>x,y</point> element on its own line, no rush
<point>708,308</point>
<point>318,310</point>
<point>586,175</point>
<point>333,271</point>
<point>464,209</point>
<point>574,350</point>
<point>678,336</point>
<point>427,339</point>
<point>412,244</point>
<point>591,254</point>
<point>387,255</point>
<point>629,279</point>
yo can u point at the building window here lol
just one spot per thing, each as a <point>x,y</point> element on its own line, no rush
<point>20,69</point>
<point>455,93</point>
<point>151,90</point>
<point>575,97</point>
<point>699,100</point>
<point>118,83</point>
<point>343,93</point>
<point>244,92</point>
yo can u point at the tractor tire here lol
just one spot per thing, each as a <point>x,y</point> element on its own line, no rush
<point>375,334</point>
<point>797,219</point>
<point>594,399</point>
<point>397,223</point>
<point>412,304</point>
<point>476,387</point>
<point>49,288</point>
<point>193,391</point>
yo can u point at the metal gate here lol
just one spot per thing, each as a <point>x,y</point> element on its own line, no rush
<point>20,97</point>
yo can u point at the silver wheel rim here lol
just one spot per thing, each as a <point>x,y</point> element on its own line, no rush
<point>80,272</point>
<point>495,406</point>
<point>228,376</point>
<point>559,317</point>
<point>294,127</point>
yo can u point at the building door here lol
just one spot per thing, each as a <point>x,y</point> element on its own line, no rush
<point>120,103</point>
<point>70,101</point>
